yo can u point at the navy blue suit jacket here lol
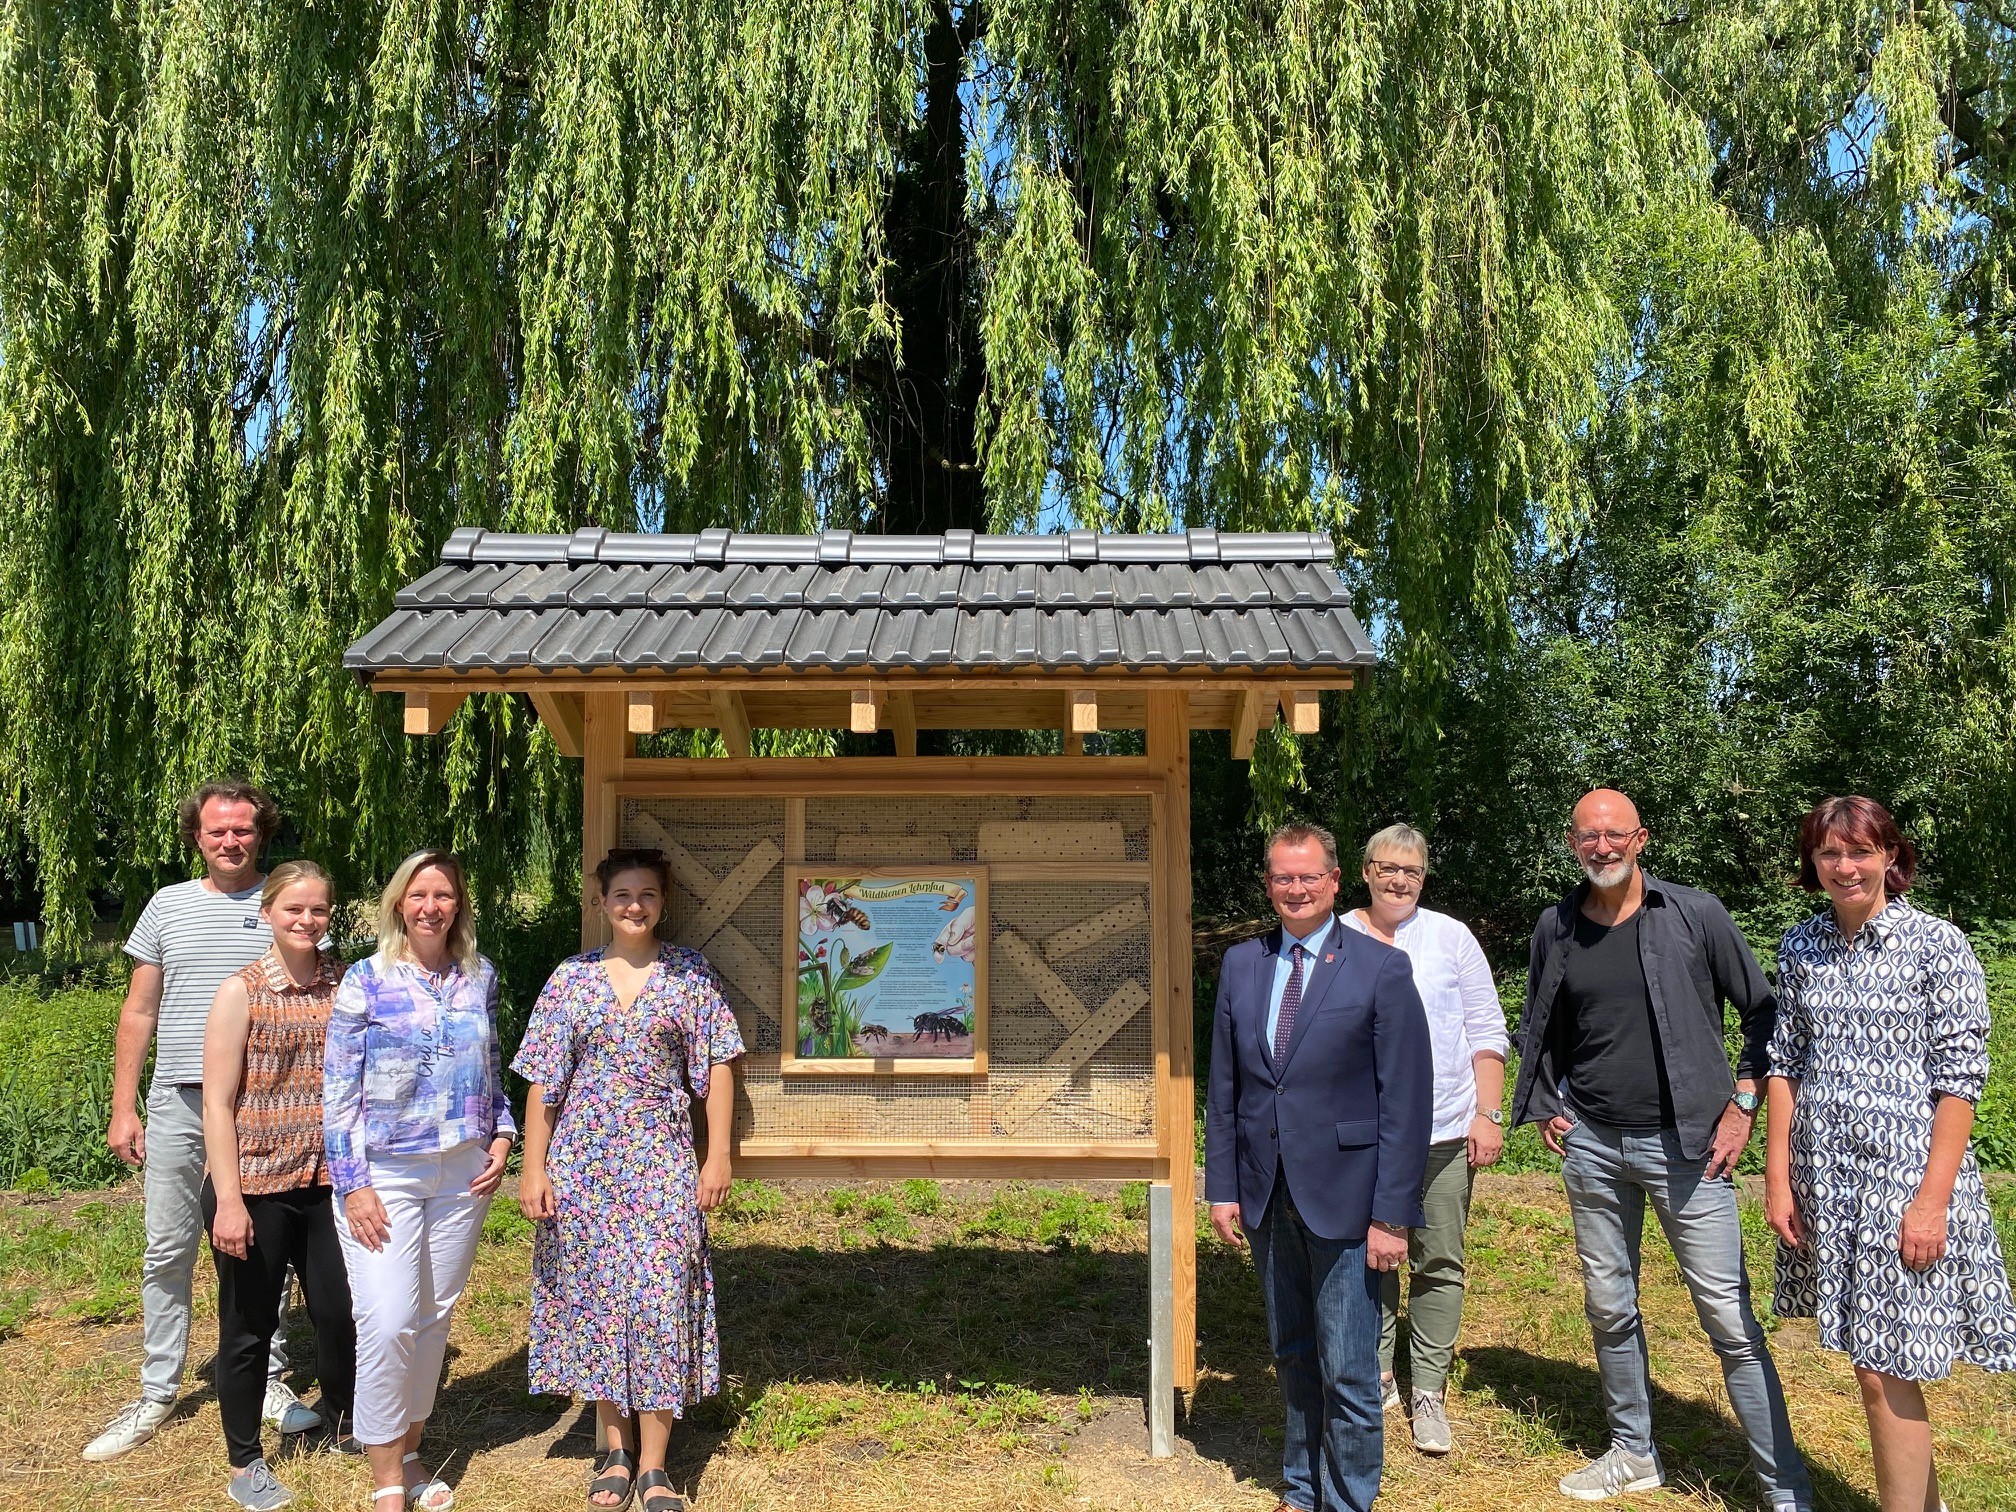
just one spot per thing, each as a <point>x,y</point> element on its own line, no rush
<point>1348,1116</point>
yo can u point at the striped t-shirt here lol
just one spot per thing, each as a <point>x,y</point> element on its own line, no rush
<point>198,938</point>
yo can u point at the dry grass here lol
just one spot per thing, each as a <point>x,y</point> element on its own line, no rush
<point>970,1347</point>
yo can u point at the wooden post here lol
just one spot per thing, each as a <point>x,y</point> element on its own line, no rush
<point>732,719</point>
<point>1169,759</point>
<point>642,713</point>
<point>605,742</point>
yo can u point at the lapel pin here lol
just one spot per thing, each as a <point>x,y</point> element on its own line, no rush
<point>1329,956</point>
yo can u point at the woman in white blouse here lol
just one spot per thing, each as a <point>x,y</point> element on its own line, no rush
<point>1467,1025</point>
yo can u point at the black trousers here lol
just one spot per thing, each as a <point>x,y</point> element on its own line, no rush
<point>297,1227</point>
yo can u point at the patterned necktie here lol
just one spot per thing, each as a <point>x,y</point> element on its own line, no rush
<point>1291,1000</point>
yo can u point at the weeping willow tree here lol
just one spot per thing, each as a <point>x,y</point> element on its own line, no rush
<point>288,292</point>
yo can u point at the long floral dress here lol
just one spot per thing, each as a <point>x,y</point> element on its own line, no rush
<point>622,1293</point>
<point>1872,1029</point>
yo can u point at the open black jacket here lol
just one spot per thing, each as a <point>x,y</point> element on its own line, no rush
<point>1695,959</point>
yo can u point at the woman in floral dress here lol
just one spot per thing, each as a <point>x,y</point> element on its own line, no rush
<point>622,1295</point>
<point>1879,1056</point>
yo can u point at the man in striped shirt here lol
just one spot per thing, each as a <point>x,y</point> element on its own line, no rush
<point>190,937</point>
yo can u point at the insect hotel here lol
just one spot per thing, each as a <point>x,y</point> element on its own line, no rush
<point>946,965</point>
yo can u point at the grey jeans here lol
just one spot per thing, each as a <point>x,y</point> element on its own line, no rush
<point>1434,1272</point>
<point>172,1179</point>
<point>1610,1175</point>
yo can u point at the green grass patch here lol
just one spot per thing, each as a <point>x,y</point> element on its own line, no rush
<point>89,1256</point>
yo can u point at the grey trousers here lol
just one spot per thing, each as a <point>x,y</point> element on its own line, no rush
<point>1610,1175</point>
<point>172,1179</point>
<point>1434,1272</point>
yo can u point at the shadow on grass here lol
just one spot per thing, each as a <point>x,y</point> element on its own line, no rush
<point>1698,1445</point>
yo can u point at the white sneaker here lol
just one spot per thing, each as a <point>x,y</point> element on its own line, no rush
<point>1389,1394</point>
<point>1616,1473</point>
<point>129,1430</point>
<point>288,1412</point>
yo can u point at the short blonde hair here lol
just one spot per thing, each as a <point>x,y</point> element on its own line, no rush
<point>392,942</point>
<point>1398,837</point>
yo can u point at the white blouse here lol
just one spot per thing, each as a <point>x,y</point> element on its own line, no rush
<point>1464,1014</point>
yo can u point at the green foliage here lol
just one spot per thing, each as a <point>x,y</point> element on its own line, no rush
<point>56,1086</point>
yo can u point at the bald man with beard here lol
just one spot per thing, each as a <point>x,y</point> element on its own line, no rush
<point>1623,1065</point>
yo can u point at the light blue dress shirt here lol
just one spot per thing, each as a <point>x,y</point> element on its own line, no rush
<point>1312,948</point>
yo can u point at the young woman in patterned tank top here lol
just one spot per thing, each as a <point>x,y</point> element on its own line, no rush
<point>267,1200</point>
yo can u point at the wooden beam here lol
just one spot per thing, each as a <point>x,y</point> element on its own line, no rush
<point>1054,992</point>
<point>604,744</point>
<point>903,720</point>
<point>642,711</point>
<point>561,714</point>
<point>1074,743</point>
<point>864,715</point>
<point>1084,711</point>
<point>731,717</point>
<point>1169,757</point>
<point>1256,708</point>
<point>429,713</point>
<point>1305,713</point>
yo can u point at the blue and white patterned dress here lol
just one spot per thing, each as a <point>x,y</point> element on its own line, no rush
<point>1872,1029</point>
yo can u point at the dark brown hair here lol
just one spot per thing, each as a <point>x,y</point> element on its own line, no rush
<point>624,859</point>
<point>1859,820</point>
<point>265,812</point>
<point>1302,834</point>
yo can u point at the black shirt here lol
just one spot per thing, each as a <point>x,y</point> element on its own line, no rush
<point>1610,1048</point>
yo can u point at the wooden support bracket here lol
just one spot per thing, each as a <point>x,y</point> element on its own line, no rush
<point>1056,994</point>
<point>731,716</point>
<point>903,720</point>
<point>1255,709</point>
<point>429,713</point>
<point>864,715</point>
<point>1305,713</point>
<point>561,714</point>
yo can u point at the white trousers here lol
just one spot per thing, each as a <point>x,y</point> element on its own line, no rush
<point>403,1293</point>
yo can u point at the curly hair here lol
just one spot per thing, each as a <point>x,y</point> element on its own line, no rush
<point>265,812</point>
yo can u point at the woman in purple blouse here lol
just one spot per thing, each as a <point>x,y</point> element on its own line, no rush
<point>416,1128</point>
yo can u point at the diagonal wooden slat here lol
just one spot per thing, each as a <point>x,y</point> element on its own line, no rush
<point>1055,992</point>
<point>733,890</point>
<point>728,950</point>
<point>1016,1109</point>
<point>1121,918</point>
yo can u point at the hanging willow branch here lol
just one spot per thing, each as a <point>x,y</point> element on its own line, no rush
<point>287,292</point>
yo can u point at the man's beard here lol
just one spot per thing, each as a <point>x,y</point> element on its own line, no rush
<point>1616,874</point>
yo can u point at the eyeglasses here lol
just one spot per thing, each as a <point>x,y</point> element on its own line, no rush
<point>1307,879</point>
<point>1832,857</point>
<point>1386,871</point>
<point>1618,839</point>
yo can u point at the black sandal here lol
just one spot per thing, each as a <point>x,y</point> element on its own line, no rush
<point>615,1475</point>
<point>658,1480</point>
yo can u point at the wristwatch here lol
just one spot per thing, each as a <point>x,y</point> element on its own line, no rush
<point>1496,1115</point>
<point>1746,1103</point>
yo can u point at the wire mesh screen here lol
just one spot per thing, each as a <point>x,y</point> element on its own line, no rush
<point>1070,1028</point>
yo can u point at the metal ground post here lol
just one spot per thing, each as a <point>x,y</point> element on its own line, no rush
<point>1161,1321</point>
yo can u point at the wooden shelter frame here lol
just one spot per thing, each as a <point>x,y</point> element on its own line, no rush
<point>597,714</point>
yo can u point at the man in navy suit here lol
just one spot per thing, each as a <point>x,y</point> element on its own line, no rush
<point>1315,1139</point>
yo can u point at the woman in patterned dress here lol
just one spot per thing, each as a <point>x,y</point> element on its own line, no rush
<point>1879,1056</point>
<point>622,1295</point>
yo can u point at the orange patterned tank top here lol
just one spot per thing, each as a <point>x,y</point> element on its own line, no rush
<point>280,1095</point>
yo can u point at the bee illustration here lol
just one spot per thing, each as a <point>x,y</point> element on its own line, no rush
<point>872,1032</point>
<point>822,1016</point>
<point>839,911</point>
